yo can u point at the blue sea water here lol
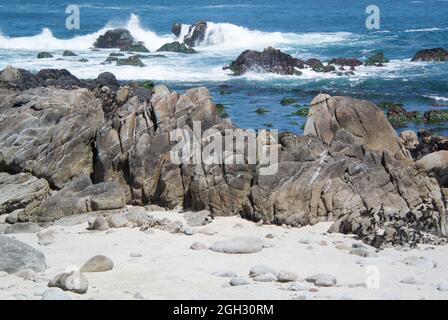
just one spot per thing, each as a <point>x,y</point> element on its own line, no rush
<point>308,28</point>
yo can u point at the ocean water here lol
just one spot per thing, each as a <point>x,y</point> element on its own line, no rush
<point>307,28</point>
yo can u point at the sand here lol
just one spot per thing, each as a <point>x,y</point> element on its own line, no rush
<point>161,265</point>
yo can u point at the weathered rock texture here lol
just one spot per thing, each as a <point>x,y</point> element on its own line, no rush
<point>349,167</point>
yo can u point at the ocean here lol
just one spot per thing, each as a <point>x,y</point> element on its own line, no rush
<point>322,29</point>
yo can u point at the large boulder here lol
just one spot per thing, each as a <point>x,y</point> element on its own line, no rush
<point>16,256</point>
<point>332,116</point>
<point>14,78</point>
<point>196,34</point>
<point>21,191</point>
<point>58,78</point>
<point>269,60</point>
<point>116,38</point>
<point>49,132</point>
<point>437,164</point>
<point>436,54</point>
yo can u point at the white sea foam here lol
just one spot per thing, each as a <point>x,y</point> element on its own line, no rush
<point>425,30</point>
<point>437,98</point>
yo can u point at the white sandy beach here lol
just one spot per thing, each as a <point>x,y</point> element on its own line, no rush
<point>161,265</point>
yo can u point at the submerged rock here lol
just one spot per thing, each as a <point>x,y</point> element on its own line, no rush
<point>378,59</point>
<point>69,53</point>
<point>130,61</point>
<point>117,38</point>
<point>44,55</point>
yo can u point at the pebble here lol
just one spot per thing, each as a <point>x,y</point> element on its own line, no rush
<point>269,236</point>
<point>295,286</point>
<point>238,281</point>
<point>140,296</point>
<point>209,230</point>
<point>322,280</point>
<point>198,246</point>
<point>266,278</point>
<point>411,280</point>
<point>135,255</point>
<point>260,270</point>
<point>98,263</point>
<point>286,276</point>
<point>443,286</point>
<point>363,252</point>
<point>45,238</point>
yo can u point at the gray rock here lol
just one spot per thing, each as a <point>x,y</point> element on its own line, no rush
<point>239,245</point>
<point>99,224</point>
<point>16,256</point>
<point>135,255</point>
<point>239,281</point>
<point>70,281</point>
<point>26,227</point>
<point>225,274</point>
<point>266,278</point>
<point>98,263</point>
<point>173,227</point>
<point>411,280</point>
<point>286,276</point>
<point>140,296</point>
<point>45,238</point>
<point>362,252</point>
<point>322,280</point>
<point>13,217</point>
<point>260,270</point>
<point>55,294</point>
<point>295,286</point>
<point>196,219</point>
<point>117,221</point>
<point>443,286</point>
<point>198,246</point>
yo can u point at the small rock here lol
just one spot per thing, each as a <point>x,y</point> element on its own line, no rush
<point>26,274</point>
<point>225,274</point>
<point>260,223</point>
<point>139,296</point>
<point>313,290</point>
<point>260,270</point>
<point>305,241</point>
<point>238,281</point>
<point>323,243</point>
<point>136,255</point>
<point>363,252</point>
<point>341,246</point>
<point>117,221</point>
<point>25,227</point>
<point>239,245</point>
<point>209,230</point>
<point>411,280</point>
<point>196,219</point>
<point>98,263</point>
<point>46,237</point>
<point>198,246</point>
<point>266,278</point>
<point>99,224</point>
<point>189,231</point>
<point>269,236</point>
<point>3,274</point>
<point>13,216</point>
<point>173,227</point>
<point>295,286</point>
<point>238,226</point>
<point>55,294</point>
<point>70,281</point>
<point>322,280</point>
<point>443,286</point>
<point>286,276</point>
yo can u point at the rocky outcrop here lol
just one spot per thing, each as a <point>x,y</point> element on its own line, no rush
<point>117,38</point>
<point>269,60</point>
<point>436,54</point>
<point>345,62</point>
<point>378,60</point>
<point>130,61</point>
<point>176,29</point>
<point>437,164</point>
<point>350,166</point>
<point>196,34</point>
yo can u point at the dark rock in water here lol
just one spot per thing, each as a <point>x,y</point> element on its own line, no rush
<point>378,59</point>
<point>436,116</point>
<point>176,47</point>
<point>117,38</point>
<point>69,53</point>
<point>14,78</point>
<point>116,54</point>
<point>346,62</point>
<point>176,29</point>
<point>83,60</point>
<point>44,55</point>
<point>313,62</point>
<point>321,68</point>
<point>138,47</point>
<point>60,78</point>
<point>196,34</point>
<point>269,60</point>
<point>436,54</point>
<point>130,61</point>
<point>109,60</point>
<point>16,256</point>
